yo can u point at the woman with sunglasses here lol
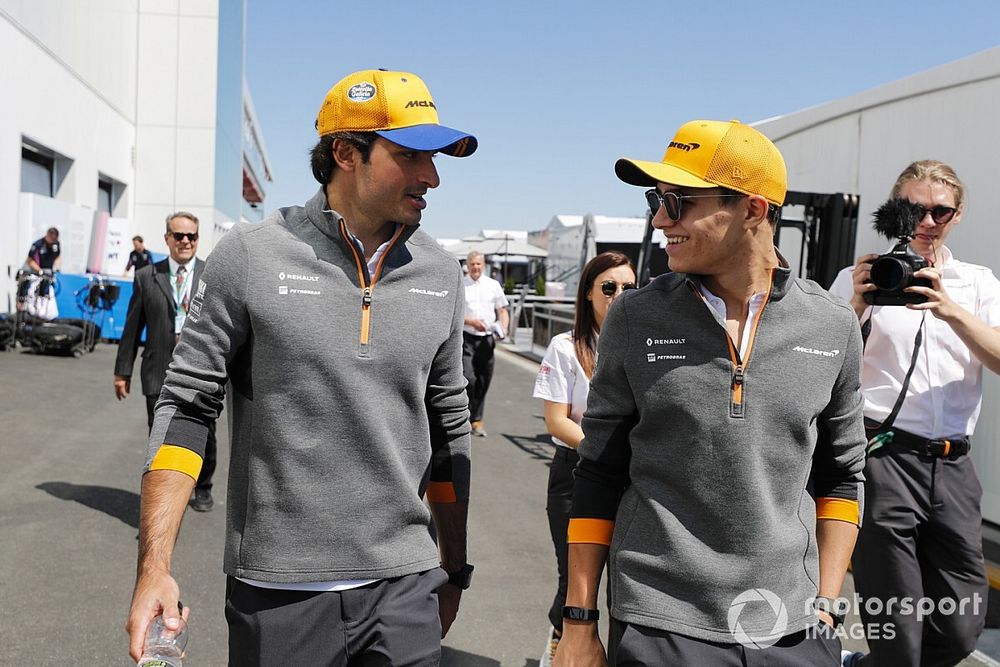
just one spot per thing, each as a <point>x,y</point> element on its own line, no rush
<point>563,381</point>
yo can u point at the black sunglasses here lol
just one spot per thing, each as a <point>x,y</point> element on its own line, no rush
<point>610,287</point>
<point>939,214</point>
<point>672,201</point>
<point>179,236</point>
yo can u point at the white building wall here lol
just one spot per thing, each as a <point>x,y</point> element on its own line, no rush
<point>125,89</point>
<point>68,81</point>
<point>861,143</point>
<point>175,116</point>
<point>565,237</point>
<point>93,38</point>
<point>565,234</point>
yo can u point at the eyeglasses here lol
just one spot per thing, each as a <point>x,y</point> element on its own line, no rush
<point>672,201</point>
<point>610,287</point>
<point>180,236</point>
<point>939,214</point>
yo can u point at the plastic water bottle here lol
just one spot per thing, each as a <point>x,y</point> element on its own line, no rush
<point>164,647</point>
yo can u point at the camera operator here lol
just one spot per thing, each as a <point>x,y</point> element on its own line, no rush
<point>922,381</point>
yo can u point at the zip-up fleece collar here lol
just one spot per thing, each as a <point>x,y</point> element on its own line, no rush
<point>779,279</point>
<point>328,221</point>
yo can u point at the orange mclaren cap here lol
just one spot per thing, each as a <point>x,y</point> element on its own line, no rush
<point>710,154</point>
<point>394,105</point>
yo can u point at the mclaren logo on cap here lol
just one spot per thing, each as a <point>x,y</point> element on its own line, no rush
<point>684,147</point>
<point>420,103</point>
<point>361,92</point>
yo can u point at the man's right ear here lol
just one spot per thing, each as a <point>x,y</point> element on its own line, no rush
<point>345,154</point>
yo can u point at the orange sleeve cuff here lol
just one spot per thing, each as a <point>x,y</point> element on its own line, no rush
<point>441,492</point>
<point>181,459</point>
<point>590,531</point>
<point>838,509</point>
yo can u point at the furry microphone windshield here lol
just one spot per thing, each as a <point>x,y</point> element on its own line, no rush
<point>897,219</point>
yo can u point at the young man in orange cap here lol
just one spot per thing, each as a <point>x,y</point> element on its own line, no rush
<point>723,441</point>
<point>339,324</point>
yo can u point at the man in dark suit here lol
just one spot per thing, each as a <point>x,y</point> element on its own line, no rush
<point>160,296</point>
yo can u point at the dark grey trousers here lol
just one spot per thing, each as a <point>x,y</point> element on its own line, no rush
<point>921,537</point>
<point>477,366</point>
<point>557,506</point>
<point>637,646</point>
<point>204,481</point>
<point>390,623</point>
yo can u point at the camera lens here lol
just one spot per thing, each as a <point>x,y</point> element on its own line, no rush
<point>889,273</point>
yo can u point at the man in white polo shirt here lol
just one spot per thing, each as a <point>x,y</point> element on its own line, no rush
<point>922,381</point>
<point>486,320</point>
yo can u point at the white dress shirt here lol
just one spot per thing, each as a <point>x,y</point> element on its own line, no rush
<point>184,291</point>
<point>718,308</point>
<point>946,389</point>
<point>482,298</point>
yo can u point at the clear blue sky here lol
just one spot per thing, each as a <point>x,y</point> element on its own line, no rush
<point>556,91</point>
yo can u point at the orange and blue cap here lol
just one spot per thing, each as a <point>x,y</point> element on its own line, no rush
<point>396,106</point>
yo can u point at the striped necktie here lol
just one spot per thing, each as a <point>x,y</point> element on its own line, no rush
<point>179,294</point>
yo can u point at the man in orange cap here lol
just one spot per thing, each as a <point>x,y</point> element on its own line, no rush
<point>339,324</point>
<point>723,440</point>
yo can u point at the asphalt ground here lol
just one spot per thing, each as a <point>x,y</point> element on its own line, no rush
<point>69,480</point>
<point>70,461</point>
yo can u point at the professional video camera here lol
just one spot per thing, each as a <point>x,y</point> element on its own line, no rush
<point>893,272</point>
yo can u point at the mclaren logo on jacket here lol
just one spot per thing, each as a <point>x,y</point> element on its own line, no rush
<point>428,292</point>
<point>819,353</point>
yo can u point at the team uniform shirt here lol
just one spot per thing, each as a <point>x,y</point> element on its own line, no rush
<point>349,408</point>
<point>705,468</point>
<point>138,259</point>
<point>946,389</point>
<point>338,584</point>
<point>44,254</point>
<point>482,298</point>
<point>561,379</point>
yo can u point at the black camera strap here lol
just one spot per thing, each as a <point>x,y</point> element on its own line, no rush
<point>918,339</point>
<point>866,329</point>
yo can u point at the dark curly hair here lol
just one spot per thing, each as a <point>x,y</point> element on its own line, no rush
<point>321,156</point>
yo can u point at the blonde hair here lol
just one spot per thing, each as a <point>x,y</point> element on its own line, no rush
<point>931,170</point>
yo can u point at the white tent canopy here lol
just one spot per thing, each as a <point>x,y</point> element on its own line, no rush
<point>495,247</point>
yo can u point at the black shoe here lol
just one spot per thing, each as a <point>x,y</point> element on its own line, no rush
<point>202,500</point>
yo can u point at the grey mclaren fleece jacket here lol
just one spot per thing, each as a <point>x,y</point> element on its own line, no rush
<point>706,472</point>
<point>349,401</point>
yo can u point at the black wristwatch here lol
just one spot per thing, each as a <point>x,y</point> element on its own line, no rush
<point>581,614</point>
<point>461,578</point>
<point>828,605</point>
